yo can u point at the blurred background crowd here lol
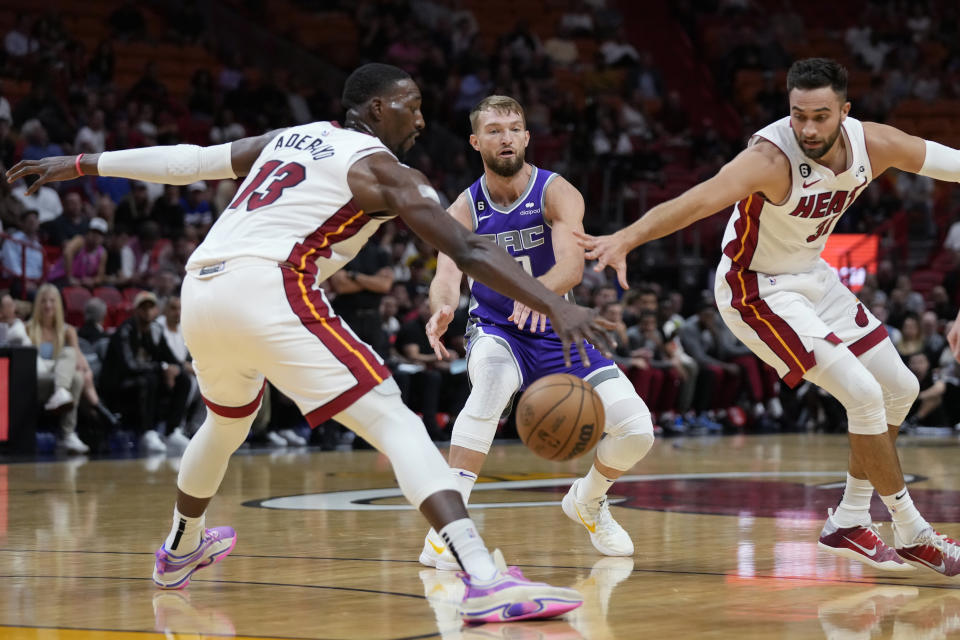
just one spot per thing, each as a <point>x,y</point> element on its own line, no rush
<point>631,102</point>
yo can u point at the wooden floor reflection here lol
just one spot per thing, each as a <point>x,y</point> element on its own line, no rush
<point>725,532</point>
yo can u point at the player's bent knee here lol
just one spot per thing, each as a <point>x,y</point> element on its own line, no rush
<point>624,450</point>
<point>898,401</point>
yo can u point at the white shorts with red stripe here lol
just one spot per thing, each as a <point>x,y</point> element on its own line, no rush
<point>249,318</point>
<point>776,316</point>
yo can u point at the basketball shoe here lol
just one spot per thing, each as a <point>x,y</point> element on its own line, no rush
<point>606,534</point>
<point>509,597</point>
<point>860,543</point>
<point>173,572</point>
<point>436,554</point>
<point>932,550</point>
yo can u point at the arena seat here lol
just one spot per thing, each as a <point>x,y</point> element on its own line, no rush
<point>73,300</point>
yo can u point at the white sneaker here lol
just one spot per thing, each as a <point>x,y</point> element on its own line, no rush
<point>275,440</point>
<point>436,554</point>
<point>292,437</point>
<point>607,536</point>
<point>151,442</point>
<point>60,399</point>
<point>73,444</point>
<point>177,441</point>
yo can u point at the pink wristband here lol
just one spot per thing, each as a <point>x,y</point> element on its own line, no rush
<point>77,164</point>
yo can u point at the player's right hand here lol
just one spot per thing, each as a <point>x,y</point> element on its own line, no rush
<point>608,251</point>
<point>52,169</point>
<point>436,327</point>
<point>574,324</point>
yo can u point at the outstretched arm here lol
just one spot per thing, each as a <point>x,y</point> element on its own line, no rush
<point>178,164</point>
<point>760,168</point>
<point>563,206</point>
<point>445,286</point>
<point>380,183</point>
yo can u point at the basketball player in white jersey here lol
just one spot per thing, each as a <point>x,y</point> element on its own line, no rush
<point>532,213</point>
<point>790,185</point>
<point>252,310</point>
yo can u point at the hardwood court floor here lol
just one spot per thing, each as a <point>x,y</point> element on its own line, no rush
<point>725,530</point>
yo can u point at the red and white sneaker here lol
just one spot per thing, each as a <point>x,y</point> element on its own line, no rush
<point>861,543</point>
<point>932,550</point>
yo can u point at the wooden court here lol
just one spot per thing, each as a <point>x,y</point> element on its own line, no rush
<point>725,530</point>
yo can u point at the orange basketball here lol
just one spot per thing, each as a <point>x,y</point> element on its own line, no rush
<point>560,417</point>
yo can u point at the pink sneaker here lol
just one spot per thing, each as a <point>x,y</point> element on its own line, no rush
<point>173,572</point>
<point>510,596</point>
<point>860,543</point>
<point>932,550</point>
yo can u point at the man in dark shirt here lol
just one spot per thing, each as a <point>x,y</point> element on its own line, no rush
<point>360,285</point>
<point>139,370</point>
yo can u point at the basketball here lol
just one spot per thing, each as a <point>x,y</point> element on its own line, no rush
<point>560,417</point>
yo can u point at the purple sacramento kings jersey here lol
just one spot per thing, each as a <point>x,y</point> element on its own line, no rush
<point>522,231</point>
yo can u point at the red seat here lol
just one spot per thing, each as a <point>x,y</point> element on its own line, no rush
<point>117,307</point>
<point>73,300</point>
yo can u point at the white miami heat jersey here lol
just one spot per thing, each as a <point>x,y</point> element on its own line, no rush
<point>788,237</point>
<point>295,205</point>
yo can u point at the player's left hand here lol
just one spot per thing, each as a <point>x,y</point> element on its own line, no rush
<point>52,169</point>
<point>520,314</point>
<point>608,251</point>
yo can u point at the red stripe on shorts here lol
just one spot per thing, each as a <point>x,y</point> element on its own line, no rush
<point>317,317</point>
<point>773,330</point>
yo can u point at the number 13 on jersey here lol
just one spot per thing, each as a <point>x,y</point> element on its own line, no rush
<point>288,175</point>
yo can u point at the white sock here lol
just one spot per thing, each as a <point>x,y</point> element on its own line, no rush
<point>854,508</point>
<point>907,520</point>
<point>465,481</point>
<point>467,546</point>
<point>185,534</point>
<point>593,486</point>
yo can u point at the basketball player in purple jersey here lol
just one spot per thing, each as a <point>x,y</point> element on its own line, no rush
<point>793,181</point>
<point>532,213</point>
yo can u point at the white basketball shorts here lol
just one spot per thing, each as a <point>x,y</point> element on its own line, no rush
<point>776,316</point>
<point>249,318</point>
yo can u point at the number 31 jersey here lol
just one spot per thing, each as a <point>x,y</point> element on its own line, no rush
<point>296,205</point>
<point>788,237</point>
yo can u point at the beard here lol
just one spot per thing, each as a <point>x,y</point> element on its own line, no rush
<point>816,154</point>
<point>506,167</point>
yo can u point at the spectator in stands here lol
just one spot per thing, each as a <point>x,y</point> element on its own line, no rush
<point>719,383</point>
<point>168,212</point>
<point>168,325</point>
<point>59,378</point>
<point>140,371</point>
<point>94,312</point>
<point>617,51</point>
<point>196,207</point>
<point>927,409</point>
<point>389,323</point>
<point>577,20</point>
<point>45,201</point>
<point>92,137</point>
<point>421,375</point>
<point>84,259</point>
<point>13,332</point>
<point>644,79</point>
<point>102,64</point>
<point>226,128</point>
<point>941,304</point>
<point>879,309</point>
<point>933,340</point>
<point>24,248</point>
<point>140,256</point>
<point>134,208</point>
<point>70,224</point>
<point>911,341</point>
<point>18,43</point>
<point>38,142</point>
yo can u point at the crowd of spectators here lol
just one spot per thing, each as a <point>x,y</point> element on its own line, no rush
<point>107,255</point>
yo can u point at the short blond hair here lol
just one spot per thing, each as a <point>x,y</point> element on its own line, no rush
<point>500,104</point>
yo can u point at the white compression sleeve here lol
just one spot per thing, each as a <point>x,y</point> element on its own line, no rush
<point>179,164</point>
<point>941,162</point>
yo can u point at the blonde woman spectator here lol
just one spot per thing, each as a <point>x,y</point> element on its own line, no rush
<point>60,375</point>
